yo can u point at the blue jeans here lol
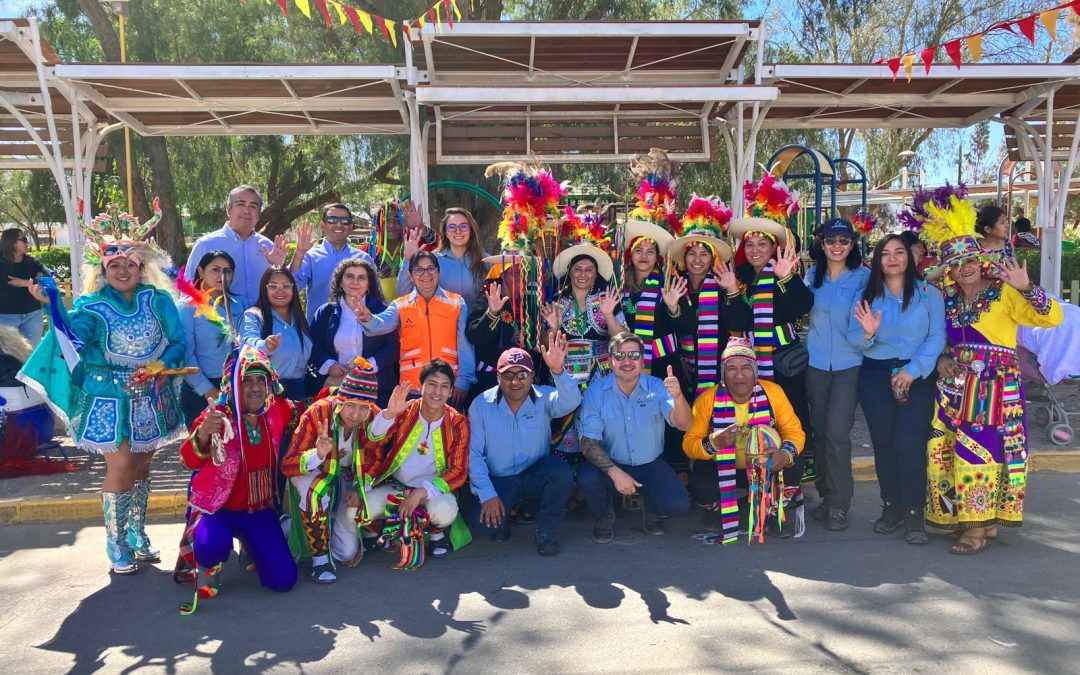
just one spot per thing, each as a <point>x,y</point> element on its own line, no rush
<point>663,492</point>
<point>30,325</point>
<point>549,480</point>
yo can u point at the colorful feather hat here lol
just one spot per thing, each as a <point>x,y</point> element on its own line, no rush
<point>913,216</point>
<point>113,234</point>
<point>952,229</point>
<point>769,204</point>
<point>530,198</point>
<point>705,222</point>
<point>655,217</point>
<point>584,235</point>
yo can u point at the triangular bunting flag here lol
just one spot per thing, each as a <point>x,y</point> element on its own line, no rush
<point>438,16</point>
<point>340,12</point>
<point>894,66</point>
<point>354,18</point>
<point>284,5</point>
<point>449,13</point>
<point>321,4</point>
<point>974,45</point>
<point>952,48</point>
<point>381,23</point>
<point>457,12</point>
<point>927,56</point>
<point>1004,25</point>
<point>1027,27</point>
<point>365,20</point>
<point>1049,21</point>
<point>906,60</point>
<point>422,21</point>
<point>391,29</point>
<point>304,6</point>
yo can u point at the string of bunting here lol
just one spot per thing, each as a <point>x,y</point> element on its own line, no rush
<point>443,11</point>
<point>1025,27</point>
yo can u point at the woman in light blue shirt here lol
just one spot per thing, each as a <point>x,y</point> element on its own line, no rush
<point>836,279</point>
<point>899,324</point>
<point>209,344</point>
<point>462,269</point>
<point>277,326</point>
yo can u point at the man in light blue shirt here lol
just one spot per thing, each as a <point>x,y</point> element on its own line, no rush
<point>313,267</point>
<point>510,442</point>
<point>252,252</point>
<point>622,435</point>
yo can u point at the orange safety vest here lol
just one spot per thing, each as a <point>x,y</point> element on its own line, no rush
<point>429,330</point>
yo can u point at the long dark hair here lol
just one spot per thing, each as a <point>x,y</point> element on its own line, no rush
<point>821,261</point>
<point>987,216</point>
<point>875,286</point>
<point>208,258</point>
<point>267,312</point>
<point>599,284</point>
<point>474,250</point>
<point>7,243</point>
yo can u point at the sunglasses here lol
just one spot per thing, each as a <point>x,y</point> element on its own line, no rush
<point>633,355</point>
<point>520,376</point>
<point>425,271</point>
<point>834,241</point>
<point>334,220</point>
<point>23,240</point>
<point>457,227</point>
<point>273,286</point>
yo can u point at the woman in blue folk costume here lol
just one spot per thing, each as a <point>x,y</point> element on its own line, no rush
<point>108,370</point>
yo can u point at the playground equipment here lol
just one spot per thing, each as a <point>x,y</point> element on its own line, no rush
<point>825,177</point>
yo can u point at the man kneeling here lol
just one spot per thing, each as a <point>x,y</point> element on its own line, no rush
<point>622,436</point>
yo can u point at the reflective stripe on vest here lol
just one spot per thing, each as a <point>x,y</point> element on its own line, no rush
<point>428,330</point>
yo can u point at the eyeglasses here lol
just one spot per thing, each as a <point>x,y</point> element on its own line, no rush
<point>273,286</point>
<point>334,220</point>
<point>633,355</point>
<point>23,240</point>
<point>520,375</point>
<point>457,227</point>
<point>425,271</point>
<point>834,241</point>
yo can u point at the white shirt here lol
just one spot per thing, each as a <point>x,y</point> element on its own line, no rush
<point>417,470</point>
<point>345,444</point>
<point>349,339</point>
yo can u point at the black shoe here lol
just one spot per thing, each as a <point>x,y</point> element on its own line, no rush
<point>891,518</point>
<point>915,527</point>
<point>713,519</point>
<point>652,524</point>
<point>323,574</point>
<point>837,520</point>
<point>501,535</point>
<point>820,512</point>
<point>604,529</point>
<point>774,528</point>
<point>439,547</point>
<point>546,545</point>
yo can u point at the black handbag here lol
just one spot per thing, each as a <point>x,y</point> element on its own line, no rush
<point>792,360</point>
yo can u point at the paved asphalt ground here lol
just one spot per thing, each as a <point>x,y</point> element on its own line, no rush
<point>846,602</point>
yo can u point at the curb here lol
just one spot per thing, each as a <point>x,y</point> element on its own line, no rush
<point>173,503</point>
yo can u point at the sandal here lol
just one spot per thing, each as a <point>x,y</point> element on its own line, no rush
<point>439,547</point>
<point>970,545</point>
<point>323,574</point>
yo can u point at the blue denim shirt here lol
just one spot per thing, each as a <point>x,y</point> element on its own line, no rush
<point>630,428</point>
<point>207,344</point>
<point>455,276</point>
<point>917,334</point>
<point>247,253</point>
<point>502,443</point>
<point>290,358</point>
<point>317,269</point>
<point>830,318</point>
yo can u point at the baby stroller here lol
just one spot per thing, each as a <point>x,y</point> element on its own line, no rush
<point>1044,408</point>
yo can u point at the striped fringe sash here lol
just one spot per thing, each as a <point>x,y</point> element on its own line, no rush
<point>645,318</point>
<point>703,349</point>
<point>764,327</point>
<point>724,416</point>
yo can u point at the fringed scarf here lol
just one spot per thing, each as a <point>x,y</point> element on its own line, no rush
<point>645,317</point>
<point>703,349</point>
<point>723,417</point>
<point>764,329</point>
<point>409,532</point>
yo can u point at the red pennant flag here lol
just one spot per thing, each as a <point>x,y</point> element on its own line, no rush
<point>927,56</point>
<point>284,4</point>
<point>879,61</point>
<point>321,4</point>
<point>432,17</point>
<point>449,13</point>
<point>354,18</point>
<point>894,66</point>
<point>382,26</point>
<point>1004,25</point>
<point>952,48</point>
<point>1027,27</point>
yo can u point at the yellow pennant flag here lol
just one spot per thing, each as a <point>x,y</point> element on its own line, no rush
<point>457,12</point>
<point>438,16</point>
<point>906,60</point>
<point>422,21</point>
<point>393,33</point>
<point>340,12</point>
<point>1049,20</point>
<point>365,19</point>
<point>304,6</point>
<point>974,45</point>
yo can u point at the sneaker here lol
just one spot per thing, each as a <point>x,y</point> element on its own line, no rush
<point>837,520</point>
<point>652,524</point>
<point>820,512</point>
<point>891,518</point>
<point>915,527</point>
<point>604,529</point>
<point>546,545</point>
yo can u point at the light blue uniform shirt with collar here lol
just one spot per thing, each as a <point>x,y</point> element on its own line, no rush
<point>917,334</point>
<point>455,275</point>
<point>290,358</point>
<point>630,428</point>
<point>830,318</point>
<point>502,443</point>
<point>246,253</point>
<point>318,267</point>
<point>389,320</point>
<point>207,345</point>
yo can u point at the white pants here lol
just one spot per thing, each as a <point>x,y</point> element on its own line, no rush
<point>344,536</point>
<point>442,510</point>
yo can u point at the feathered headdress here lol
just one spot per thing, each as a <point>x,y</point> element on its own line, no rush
<point>770,198</point>
<point>706,216</point>
<point>588,229</point>
<point>530,196</point>
<point>952,229</point>
<point>247,360</point>
<point>656,200</point>
<point>201,301</point>
<point>391,208</point>
<point>113,234</point>
<point>864,222</point>
<point>914,216</point>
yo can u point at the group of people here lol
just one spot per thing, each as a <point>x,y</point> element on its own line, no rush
<point>354,397</point>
